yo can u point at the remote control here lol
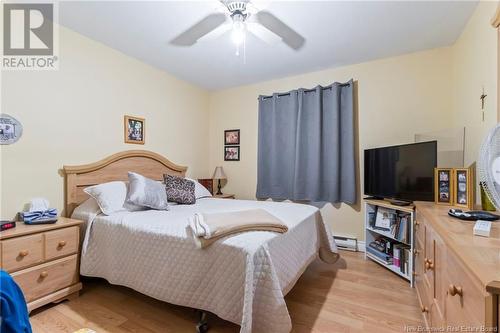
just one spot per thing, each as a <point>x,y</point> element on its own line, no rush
<point>482,228</point>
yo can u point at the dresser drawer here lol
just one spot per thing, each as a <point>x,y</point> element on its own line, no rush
<point>21,252</point>
<point>424,300</point>
<point>467,306</point>
<point>61,242</point>
<point>44,279</point>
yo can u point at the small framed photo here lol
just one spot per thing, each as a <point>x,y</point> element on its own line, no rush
<point>232,137</point>
<point>384,218</point>
<point>134,130</point>
<point>443,186</point>
<point>463,194</point>
<point>231,153</point>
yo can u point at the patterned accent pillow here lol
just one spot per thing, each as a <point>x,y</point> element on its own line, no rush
<point>179,189</point>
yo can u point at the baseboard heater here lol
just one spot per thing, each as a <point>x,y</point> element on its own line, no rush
<point>346,243</point>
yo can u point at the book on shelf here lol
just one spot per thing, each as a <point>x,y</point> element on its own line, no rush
<point>396,256</point>
<point>371,218</point>
<point>391,252</point>
<point>401,254</point>
<point>386,258</point>
<point>402,234</point>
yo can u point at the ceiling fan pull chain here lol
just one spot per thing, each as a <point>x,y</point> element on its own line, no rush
<point>245,51</point>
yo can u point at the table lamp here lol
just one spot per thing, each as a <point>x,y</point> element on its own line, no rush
<point>219,174</point>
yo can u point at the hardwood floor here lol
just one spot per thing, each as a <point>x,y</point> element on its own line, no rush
<point>353,295</point>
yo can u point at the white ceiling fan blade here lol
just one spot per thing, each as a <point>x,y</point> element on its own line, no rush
<point>289,36</point>
<point>262,33</point>
<point>220,7</point>
<point>216,33</point>
<point>256,6</point>
<point>198,30</point>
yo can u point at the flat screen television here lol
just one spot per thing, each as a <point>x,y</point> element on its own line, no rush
<point>404,172</point>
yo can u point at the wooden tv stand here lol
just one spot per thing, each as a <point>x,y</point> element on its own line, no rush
<point>457,274</point>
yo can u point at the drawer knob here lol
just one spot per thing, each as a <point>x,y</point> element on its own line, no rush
<point>454,290</point>
<point>24,253</point>
<point>416,252</point>
<point>44,274</point>
<point>424,309</point>
<point>428,264</point>
<point>61,244</point>
<point>417,223</point>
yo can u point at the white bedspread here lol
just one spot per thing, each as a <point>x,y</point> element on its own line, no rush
<point>242,278</point>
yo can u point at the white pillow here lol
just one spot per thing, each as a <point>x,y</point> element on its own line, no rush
<point>111,197</point>
<point>146,192</point>
<point>200,191</point>
<point>86,210</point>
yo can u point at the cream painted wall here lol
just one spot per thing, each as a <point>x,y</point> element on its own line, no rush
<point>75,115</point>
<point>397,98</point>
<point>474,67</point>
<point>421,92</point>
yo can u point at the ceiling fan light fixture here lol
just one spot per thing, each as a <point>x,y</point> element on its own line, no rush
<point>245,16</point>
<point>238,33</point>
<point>238,36</point>
<point>236,6</point>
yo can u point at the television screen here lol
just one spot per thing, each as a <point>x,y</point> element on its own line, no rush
<point>403,172</point>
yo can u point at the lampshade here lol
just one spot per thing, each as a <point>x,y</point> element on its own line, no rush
<point>219,173</point>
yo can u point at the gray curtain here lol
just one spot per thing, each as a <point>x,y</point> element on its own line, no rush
<point>306,145</point>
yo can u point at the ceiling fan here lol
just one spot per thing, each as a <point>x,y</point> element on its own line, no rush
<point>240,17</point>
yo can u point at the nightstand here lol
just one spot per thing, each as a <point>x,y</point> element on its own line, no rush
<point>43,260</point>
<point>224,196</point>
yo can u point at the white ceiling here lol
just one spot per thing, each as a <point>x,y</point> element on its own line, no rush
<point>337,33</point>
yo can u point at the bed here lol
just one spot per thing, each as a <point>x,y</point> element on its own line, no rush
<point>241,278</point>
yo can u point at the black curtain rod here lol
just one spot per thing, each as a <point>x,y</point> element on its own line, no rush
<point>307,90</point>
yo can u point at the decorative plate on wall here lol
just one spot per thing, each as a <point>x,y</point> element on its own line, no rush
<point>10,129</point>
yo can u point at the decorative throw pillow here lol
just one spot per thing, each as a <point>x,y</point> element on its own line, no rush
<point>179,189</point>
<point>111,197</point>
<point>146,192</point>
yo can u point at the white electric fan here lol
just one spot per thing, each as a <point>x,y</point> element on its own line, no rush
<point>489,166</point>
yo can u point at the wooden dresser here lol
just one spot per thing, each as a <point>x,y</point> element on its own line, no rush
<point>43,260</point>
<point>456,273</point>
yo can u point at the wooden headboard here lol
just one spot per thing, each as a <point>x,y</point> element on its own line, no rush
<point>112,168</point>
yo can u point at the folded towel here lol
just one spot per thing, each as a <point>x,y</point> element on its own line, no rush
<point>48,214</point>
<point>207,228</point>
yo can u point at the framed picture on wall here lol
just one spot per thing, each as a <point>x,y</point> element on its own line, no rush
<point>232,137</point>
<point>463,193</point>
<point>443,187</point>
<point>134,130</point>
<point>231,153</point>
